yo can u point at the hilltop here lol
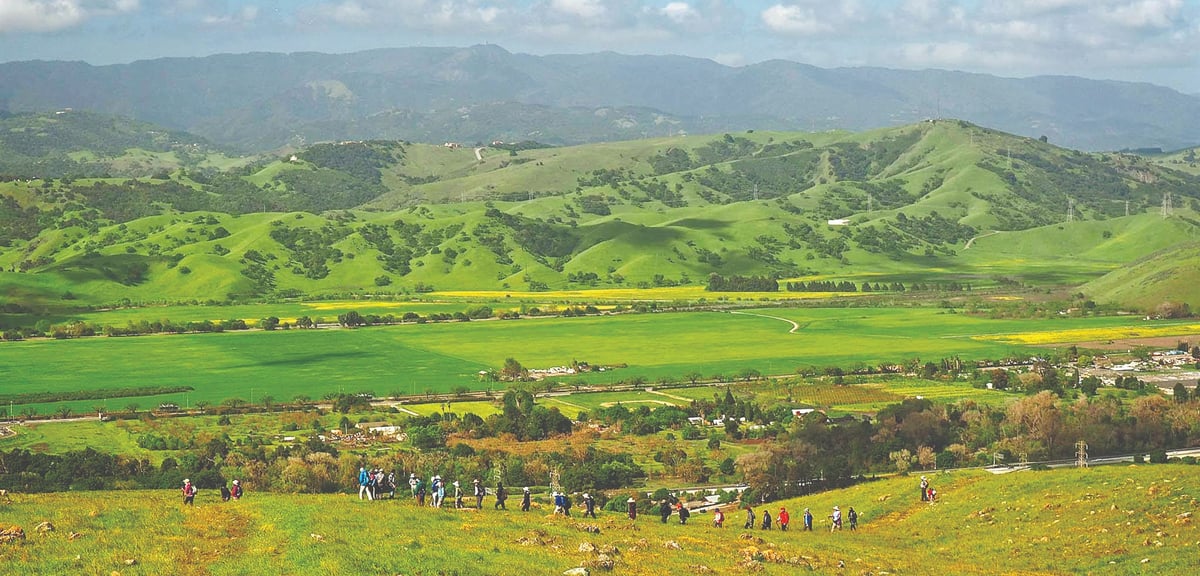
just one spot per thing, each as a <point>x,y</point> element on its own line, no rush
<point>398,216</point>
<point>1113,519</point>
<point>262,101</point>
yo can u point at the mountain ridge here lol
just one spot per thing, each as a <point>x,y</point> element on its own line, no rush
<point>264,100</point>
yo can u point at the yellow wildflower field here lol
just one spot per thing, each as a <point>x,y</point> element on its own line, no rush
<point>1091,334</point>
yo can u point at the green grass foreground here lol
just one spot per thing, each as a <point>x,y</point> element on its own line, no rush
<point>1106,520</point>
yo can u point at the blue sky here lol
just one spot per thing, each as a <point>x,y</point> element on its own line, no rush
<point>1141,40</point>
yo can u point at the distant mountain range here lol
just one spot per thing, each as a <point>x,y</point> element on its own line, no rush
<point>264,101</point>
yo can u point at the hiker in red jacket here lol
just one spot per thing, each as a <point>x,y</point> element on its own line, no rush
<point>189,492</point>
<point>784,519</point>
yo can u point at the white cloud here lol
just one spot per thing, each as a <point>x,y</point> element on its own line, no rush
<point>50,15</point>
<point>586,9</point>
<point>794,19</point>
<point>246,15</point>
<point>680,12</point>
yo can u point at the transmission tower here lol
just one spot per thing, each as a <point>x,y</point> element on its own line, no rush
<point>1081,455</point>
<point>1070,209</point>
<point>554,478</point>
<point>1166,205</point>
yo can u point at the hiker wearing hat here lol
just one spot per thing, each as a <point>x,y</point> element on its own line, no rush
<point>364,483</point>
<point>441,491</point>
<point>808,520</point>
<point>837,519</point>
<point>189,492</point>
<point>631,506</point>
<point>458,495</point>
<point>589,505</point>
<point>718,518</point>
<point>852,516</point>
<point>749,518</point>
<point>236,491</point>
<point>784,519</point>
<point>924,489</point>
<point>525,500</point>
<point>479,492</point>
<point>420,489</point>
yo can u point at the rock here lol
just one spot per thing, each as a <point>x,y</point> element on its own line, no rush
<point>45,527</point>
<point>12,534</point>
<point>74,535</point>
<point>581,571</point>
<point>608,549</point>
<point>604,562</point>
<point>317,537</point>
<point>671,545</point>
<point>587,547</point>
<point>131,562</point>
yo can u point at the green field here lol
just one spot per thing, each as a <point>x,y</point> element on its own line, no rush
<point>415,359</point>
<point>1107,520</point>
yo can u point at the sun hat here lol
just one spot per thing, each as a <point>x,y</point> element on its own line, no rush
<point>236,482</point>
<point>187,481</point>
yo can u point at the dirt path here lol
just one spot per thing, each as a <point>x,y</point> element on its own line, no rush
<point>479,154</point>
<point>671,396</point>
<point>795,325</point>
<point>972,240</point>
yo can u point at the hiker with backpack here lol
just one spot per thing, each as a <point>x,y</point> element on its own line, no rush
<point>784,519</point>
<point>718,518</point>
<point>364,483</point>
<point>808,519</point>
<point>501,496</point>
<point>924,489</point>
<point>458,496</point>
<point>664,510</point>
<point>525,500</point>
<point>631,508</point>
<point>236,491</point>
<point>479,492</point>
<point>766,519</point>
<point>589,505</point>
<point>852,516</point>
<point>836,517</point>
<point>225,493</point>
<point>189,492</point>
<point>684,513</point>
<point>749,519</point>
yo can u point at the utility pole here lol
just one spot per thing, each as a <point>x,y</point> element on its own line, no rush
<point>1070,209</point>
<point>1081,455</point>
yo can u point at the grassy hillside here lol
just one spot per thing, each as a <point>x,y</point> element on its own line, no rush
<point>1169,275</point>
<point>1111,520</point>
<point>397,217</point>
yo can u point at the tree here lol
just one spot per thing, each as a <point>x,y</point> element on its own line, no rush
<point>269,323</point>
<point>513,370</point>
<point>902,459</point>
<point>132,407</point>
<point>63,412</point>
<point>268,401</point>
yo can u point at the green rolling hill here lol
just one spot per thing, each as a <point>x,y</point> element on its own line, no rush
<point>363,216</point>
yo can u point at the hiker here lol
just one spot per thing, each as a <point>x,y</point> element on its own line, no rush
<point>364,483</point>
<point>837,519</point>
<point>932,494</point>
<point>236,490</point>
<point>390,482</point>
<point>631,508</point>
<point>808,520</point>
<point>766,519</point>
<point>924,489</point>
<point>525,500</point>
<point>664,510</point>
<point>189,492</point>
<point>501,496</point>
<point>371,484</point>
<point>224,493</point>
<point>558,502</point>
<point>412,483</point>
<point>718,518</point>
<point>684,513</point>
<point>420,492</point>
<point>458,495</point>
<point>478,495</point>
<point>438,490</point>
<point>589,505</point>
<point>784,519</point>
<point>853,517</point>
<point>749,519</point>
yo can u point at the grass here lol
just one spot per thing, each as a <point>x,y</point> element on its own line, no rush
<point>415,359</point>
<point>1110,520</point>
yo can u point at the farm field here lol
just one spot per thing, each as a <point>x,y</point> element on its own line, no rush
<point>417,359</point>
<point>1111,520</point>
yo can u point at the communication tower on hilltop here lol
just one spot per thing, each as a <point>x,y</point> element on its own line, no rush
<point>1070,209</point>
<point>1081,455</point>
<point>1166,205</point>
<point>555,486</point>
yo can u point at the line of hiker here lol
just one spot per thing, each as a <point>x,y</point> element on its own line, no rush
<point>784,519</point>
<point>228,492</point>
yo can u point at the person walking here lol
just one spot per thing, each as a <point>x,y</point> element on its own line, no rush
<point>525,499</point>
<point>589,505</point>
<point>684,513</point>
<point>718,518</point>
<point>478,495</point>
<point>808,518</point>
<point>412,483</point>
<point>189,492</point>
<point>631,508</point>
<point>784,519</point>
<point>558,502</point>
<point>852,516</point>
<point>837,519</point>
<point>766,519</point>
<point>749,518</point>
<point>458,496</point>
<point>391,485</point>
<point>664,510</point>
<point>364,483</point>
<point>236,491</point>
<point>501,496</point>
<point>924,489</point>
<point>420,492</point>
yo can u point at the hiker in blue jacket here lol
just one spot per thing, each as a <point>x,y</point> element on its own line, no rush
<point>364,484</point>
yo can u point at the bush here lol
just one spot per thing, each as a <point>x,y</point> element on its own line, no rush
<point>1158,457</point>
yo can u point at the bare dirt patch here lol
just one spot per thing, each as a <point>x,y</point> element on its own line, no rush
<point>1128,343</point>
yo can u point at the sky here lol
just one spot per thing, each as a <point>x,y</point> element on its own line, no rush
<point>1155,41</point>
